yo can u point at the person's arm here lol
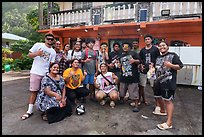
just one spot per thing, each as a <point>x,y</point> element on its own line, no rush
<point>51,93</point>
<point>115,78</point>
<point>96,83</point>
<point>35,54</point>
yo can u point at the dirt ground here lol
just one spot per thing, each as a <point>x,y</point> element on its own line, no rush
<point>101,120</point>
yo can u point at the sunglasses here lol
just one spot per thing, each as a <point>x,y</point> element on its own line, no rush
<point>50,39</point>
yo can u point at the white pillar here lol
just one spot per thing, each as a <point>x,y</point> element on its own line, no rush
<point>188,8</point>
<point>195,7</point>
<point>174,9</point>
<point>118,12</point>
<point>153,8</point>
<point>113,9</point>
<point>104,14</point>
<point>134,12</point>
<point>123,11</point>
<point>129,11</point>
<point>180,8</point>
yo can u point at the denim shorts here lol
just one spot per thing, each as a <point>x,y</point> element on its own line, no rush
<point>89,79</point>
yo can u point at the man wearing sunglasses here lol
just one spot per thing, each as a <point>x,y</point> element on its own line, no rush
<point>43,55</point>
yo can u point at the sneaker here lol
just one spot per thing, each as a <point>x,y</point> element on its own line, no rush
<point>156,110</point>
<point>135,109</point>
<point>121,101</point>
<point>132,104</point>
<point>103,102</point>
<point>112,104</point>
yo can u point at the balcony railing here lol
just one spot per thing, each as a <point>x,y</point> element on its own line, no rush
<point>125,12</point>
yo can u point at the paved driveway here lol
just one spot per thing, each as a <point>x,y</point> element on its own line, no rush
<point>100,120</point>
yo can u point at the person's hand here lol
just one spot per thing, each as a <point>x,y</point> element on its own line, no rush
<point>71,73</point>
<point>63,102</point>
<point>85,72</point>
<point>131,61</point>
<point>58,97</point>
<point>111,65</point>
<point>167,64</point>
<point>39,52</point>
<point>87,60</point>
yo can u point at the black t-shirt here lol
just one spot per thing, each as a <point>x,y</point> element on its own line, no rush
<point>167,74</point>
<point>148,56</point>
<point>112,57</point>
<point>129,72</point>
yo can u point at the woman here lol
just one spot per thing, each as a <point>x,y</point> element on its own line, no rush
<point>166,66</point>
<point>106,85</point>
<point>73,77</point>
<point>51,98</point>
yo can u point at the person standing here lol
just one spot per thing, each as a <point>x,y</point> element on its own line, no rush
<point>166,66</point>
<point>129,76</point>
<point>148,55</point>
<point>135,46</point>
<point>90,60</point>
<point>43,55</point>
<point>102,54</point>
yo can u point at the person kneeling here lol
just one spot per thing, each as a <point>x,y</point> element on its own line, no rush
<point>106,82</point>
<point>51,100</point>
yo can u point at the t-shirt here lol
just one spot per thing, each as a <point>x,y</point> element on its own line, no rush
<point>75,80</point>
<point>41,64</point>
<point>90,67</point>
<point>167,74</point>
<point>101,59</point>
<point>149,56</point>
<point>129,72</point>
<point>101,81</point>
<point>76,55</point>
<point>114,57</point>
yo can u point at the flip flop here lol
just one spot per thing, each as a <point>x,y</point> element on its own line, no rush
<point>164,126</point>
<point>26,116</point>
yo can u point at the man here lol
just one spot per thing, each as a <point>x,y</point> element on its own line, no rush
<point>148,56</point>
<point>114,61</point>
<point>167,65</point>
<point>135,46</point>
<point>90,60</point>
<point>43,55</point>
<point>129,78</point>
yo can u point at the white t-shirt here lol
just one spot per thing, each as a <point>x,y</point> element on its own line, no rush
<point>101,81</point>
<point>41,64</point>
<point>76,55</point>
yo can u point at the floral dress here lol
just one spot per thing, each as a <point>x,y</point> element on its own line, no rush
<point>45,102</point>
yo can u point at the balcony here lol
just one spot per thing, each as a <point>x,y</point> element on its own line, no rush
<point>125,12</point>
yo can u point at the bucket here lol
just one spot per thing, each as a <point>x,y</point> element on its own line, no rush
<point>7,68</point>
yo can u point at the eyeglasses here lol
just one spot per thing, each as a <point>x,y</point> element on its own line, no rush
<point>50,39</point>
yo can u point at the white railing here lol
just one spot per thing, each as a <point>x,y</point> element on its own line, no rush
<point>125,11</point>
<point>177,8</point>
<point>70,17</point>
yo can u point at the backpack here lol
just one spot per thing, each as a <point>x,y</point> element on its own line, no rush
<point>86,54</point>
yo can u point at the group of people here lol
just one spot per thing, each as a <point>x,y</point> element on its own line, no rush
<point>58,78</point>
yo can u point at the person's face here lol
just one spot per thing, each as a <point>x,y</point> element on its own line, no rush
<point>83,45</point>
<point>90,45</point>
<point>77,46</point>
<point>103,47</point>
<point>163,48</point>
<point>75,64</point>
<point>135,44</point>
<point>54,69</point>
<point>125,47</point>
<point>49,40</point>
<point>148,41</point>
<point>67,47</point>
<point>116,47</point>
<point>103,68</point>
<point>58,45</point>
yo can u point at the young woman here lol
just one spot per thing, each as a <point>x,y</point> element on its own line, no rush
<point>51,98</point>
<point>106,84</point>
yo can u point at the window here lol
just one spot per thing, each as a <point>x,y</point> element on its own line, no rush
<point>79,5</point>
<point>143,15</point>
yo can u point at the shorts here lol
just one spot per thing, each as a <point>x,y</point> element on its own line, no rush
<point>161,90</point>
<point>132,88</point>
<point>89,79</point>
<point>143,79</point>
<point>35,82</point>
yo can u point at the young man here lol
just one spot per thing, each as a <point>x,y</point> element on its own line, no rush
<point>135,46</point>
<point>43,55</point>
<point>90,60</point>
<point>106,84</point>
<point>148,56</point>
<point>167,65</point>
<point>129,75</point>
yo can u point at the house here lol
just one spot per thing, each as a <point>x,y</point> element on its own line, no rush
<point>8,38</point>
<point>127,21</point>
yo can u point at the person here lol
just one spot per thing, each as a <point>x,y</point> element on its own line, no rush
<point>51,99</point>
<point>106,84</point>
<point>76,53</point>
<point>90,60</point>
<point>102,54</point>
<point>166,65</point>
<point>43,55</point>
<point>135,46</point>
<point>148,55</point>
<point>74,88</point>
<point>60,58</point>
<point>114,62</point>
<point>129,78</point>
<point>83,46</point>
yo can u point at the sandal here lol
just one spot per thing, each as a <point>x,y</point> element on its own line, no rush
<point>164,126</point>
<point>26,115</point>
<point>44,117</point>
